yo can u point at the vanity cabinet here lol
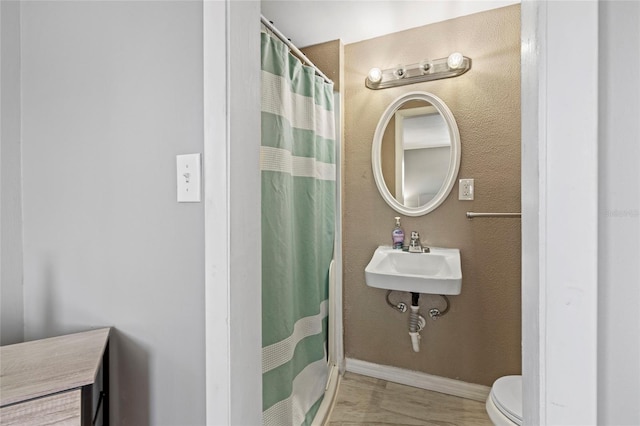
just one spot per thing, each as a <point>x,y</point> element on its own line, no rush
<point>57,381</point>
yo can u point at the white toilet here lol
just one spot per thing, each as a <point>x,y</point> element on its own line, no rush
<point>504,403</point>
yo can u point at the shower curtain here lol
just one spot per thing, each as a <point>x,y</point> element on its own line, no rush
<point>297,162</point>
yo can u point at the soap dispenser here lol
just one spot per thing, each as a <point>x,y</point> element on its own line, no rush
<point>398,235</point>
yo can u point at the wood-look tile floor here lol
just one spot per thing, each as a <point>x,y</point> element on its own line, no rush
<point>364,400</point>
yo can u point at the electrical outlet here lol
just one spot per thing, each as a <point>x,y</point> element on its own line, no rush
<point>465,189</point>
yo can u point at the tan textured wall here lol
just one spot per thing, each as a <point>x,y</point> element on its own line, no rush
<point>328,57</point>
<point>479,339</point>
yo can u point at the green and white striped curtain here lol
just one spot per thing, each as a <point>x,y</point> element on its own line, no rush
<point>297,162</point>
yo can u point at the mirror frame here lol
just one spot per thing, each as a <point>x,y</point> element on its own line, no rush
<point>454,163</point>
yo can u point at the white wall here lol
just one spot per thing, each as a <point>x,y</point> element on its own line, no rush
<point>111,93</point>
<point>11,296</point>
<point>619,220</point>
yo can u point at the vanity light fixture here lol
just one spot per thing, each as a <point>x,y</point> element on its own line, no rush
<point>454,65</point>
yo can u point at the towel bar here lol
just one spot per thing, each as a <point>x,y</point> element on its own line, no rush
<point>471,215</point>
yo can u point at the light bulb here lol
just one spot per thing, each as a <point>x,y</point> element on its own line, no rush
<point>455,60</point>
<point>375,75</point>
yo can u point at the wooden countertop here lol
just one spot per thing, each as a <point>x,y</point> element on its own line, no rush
<point>42,367</point>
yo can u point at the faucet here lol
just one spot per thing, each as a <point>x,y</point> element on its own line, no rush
<point>415,246</point>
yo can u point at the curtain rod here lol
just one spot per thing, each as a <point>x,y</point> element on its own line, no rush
<point>293,48</point>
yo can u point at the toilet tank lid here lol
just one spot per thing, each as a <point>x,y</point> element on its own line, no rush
<point>506,393</point>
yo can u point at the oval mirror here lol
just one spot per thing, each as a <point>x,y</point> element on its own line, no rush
<point>416,153</point>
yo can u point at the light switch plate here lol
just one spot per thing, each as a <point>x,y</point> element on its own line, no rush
<point>188,177</point>
<point>465,189</point>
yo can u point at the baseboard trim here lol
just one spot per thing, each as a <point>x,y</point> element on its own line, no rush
<point>419,380</point>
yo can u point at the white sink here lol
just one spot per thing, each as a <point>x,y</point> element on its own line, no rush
<point>437,272</point>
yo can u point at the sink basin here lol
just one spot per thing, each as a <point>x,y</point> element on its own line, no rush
<point>437,272</point>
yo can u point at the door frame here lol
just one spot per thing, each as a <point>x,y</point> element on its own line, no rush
<point>560,210</point>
